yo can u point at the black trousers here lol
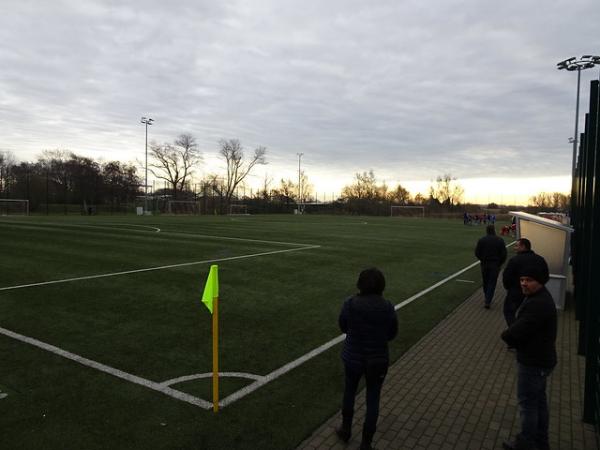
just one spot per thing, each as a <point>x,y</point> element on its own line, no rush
<point>374,381</point>
<point>489,275</point>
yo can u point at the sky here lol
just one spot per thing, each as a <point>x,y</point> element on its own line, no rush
<point>409,89</point>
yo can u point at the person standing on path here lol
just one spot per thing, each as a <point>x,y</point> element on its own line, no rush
<point>533,334</point>
<point>511,277</point>
<point>370,322</point>
<point>491,251</point>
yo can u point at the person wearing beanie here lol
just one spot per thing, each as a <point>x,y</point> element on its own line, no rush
<point>512,273</point>
<point>491,251</point>
<point>369,321</point>
<point>533,334</point>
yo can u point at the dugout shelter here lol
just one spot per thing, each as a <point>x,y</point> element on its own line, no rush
<point>550,239</point>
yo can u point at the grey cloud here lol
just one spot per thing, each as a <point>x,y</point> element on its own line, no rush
<point>410,89</point>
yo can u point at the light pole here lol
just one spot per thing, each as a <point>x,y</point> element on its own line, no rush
<point>146,121</point>
<point>572,64</point>
<point>299,184</point>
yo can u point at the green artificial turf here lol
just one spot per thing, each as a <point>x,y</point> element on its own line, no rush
<point>274,308</point>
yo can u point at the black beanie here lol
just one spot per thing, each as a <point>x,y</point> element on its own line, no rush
<point>538,272</point>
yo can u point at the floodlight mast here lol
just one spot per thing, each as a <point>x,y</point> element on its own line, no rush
<point>146,121</point>
<point>299,184</point>
<point>572,64</point>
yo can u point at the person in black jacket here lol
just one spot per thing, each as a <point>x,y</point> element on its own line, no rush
<point>369,321</point>
<point>491,251</point>
<point>533,334</point>
<point>511,277</point>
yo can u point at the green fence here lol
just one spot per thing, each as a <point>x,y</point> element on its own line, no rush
<point>586,254</point>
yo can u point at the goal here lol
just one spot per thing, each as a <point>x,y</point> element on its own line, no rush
<point>183,207</point>
<point>238,210</point>
<point>14,207</point>
<point>407,211</point>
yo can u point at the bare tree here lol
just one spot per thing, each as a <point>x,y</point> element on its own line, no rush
<point>541,200</point>
<point>399,195</point>
<point>307,187</point>
<point>175,162</point>
<point>364,187</point>
<point>237,168</point>
<point>7,161</point>
<point>446,190</point>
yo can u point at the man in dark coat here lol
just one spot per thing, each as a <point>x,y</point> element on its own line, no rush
<point>491,251</point>
<point>369,321</point>
<point>511,277</point>
<point>533,334</point>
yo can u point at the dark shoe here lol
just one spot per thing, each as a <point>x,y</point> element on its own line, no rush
<point>343,433</point>
<point>366,447</point>
<point>516,445</point>
<point>486,306</point>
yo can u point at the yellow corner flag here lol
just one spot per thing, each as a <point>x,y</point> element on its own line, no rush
<point>211,289</point>
<point>210,298</point>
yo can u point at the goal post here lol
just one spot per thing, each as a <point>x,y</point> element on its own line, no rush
<point>14,207</point>
<point>183,207</point>
<point>238,210</point>
<point>407,211</point>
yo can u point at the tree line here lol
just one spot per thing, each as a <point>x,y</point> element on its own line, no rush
<point>62,181</point>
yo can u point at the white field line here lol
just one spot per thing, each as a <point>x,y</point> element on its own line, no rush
<point>159,387</point>
<point>464,281</point>
<point>162,232</point>
<point>149,269</point>
<point>56,225</point>
<point>289,366</point>
<point>198,376</point>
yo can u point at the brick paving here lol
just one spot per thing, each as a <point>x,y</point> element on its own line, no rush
<point>456,389</point>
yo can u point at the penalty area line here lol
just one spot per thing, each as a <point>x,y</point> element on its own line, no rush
<point>149,269</point>
<point>159,387</point>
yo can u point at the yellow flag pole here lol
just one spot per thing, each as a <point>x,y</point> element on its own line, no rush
<point>215,350</point>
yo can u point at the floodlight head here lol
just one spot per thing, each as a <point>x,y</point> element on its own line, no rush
<point>567,61</point>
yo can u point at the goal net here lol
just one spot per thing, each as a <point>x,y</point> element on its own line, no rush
<point>183,207</point>
<point>238,210</point>
<point>13,207</point>
<point>407,211</point>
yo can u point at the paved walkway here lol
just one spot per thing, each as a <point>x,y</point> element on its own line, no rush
<point>456,389</point>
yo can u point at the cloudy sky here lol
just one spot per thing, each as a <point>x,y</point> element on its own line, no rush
<point>410,89</point>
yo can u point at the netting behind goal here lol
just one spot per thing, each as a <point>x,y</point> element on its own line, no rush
<point>183,207</point>
<point>407,211</point>
<point>12,207</point>
<point>238,210</point>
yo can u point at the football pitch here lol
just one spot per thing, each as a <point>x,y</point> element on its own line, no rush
<point>104,342</point>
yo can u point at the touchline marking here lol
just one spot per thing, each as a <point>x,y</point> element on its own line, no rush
<point>284,369</point>
<point>464,281</point>
<point>109,370</point>
<point>170,266</point>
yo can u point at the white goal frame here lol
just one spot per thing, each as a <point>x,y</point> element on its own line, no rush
<point>172,207</point>
<point>6,208</point>
<point>406,207</point>
<point>243,208</point>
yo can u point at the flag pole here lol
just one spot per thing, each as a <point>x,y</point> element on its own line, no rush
<point>215,351</point>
